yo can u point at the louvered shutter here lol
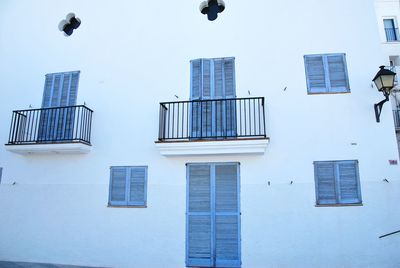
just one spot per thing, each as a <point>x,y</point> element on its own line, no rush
<point>199,234</point>
<point>195,94</point>
<point>118,186</point>
<point>60,90</point>
<point>337,73</point>
<point>213,79</point>
<point>348,182</point>
<point>230,93</point>
<point>315,73</point>
<point>325,182</point>
<point>227,216</point>
<point>137,186</point>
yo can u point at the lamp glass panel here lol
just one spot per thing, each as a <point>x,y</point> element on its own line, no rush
<point>378,83</point>
<point>387,81</point>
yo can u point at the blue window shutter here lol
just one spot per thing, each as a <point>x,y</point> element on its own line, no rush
<point>325,182</point>
<point>137,185</point>
<point>349,184</point>
<point>227,216</point>
<point>338,77</point>
<point>118,186</point>
<point>199,217</point>
<point>315,73</point>
<point>230,93</point>
<point>390,30</point>
<point>337,182</point>
<point>195,79</point>
<point>229,78</point>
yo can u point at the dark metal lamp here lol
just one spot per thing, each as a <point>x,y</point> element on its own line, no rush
<point>384,82</point>
<point>211,8</point>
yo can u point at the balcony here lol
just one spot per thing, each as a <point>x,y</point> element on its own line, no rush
<point>51,130</point>
<point>395,69</point>
<point>217,126</point>
<point>396,117</point>
<point>392,34</point>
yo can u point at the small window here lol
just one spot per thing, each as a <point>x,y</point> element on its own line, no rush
<point>128,186</point>
<point>326,73</point>
<point>337,183</point>
<point>391,31</point>
<point>1,173</point>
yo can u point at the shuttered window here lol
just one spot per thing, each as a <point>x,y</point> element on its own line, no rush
<point>391,31</point>
<point>326,73</point>
<point>213,79</point>
<point>128,186</point>
<point>337,182</point>
<point>213,215</point>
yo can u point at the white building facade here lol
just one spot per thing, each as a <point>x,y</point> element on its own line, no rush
<point>388,14</point>
<point>152,137</point>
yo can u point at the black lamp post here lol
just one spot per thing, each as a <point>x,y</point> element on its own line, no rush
<point>384,82</point>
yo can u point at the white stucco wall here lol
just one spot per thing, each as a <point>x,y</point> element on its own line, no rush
<point>133,55</point>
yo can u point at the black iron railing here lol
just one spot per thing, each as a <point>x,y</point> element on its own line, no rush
<point>212,119</point>
<point>396,116</point>
<point>392,34</point>
<point>51,125</point>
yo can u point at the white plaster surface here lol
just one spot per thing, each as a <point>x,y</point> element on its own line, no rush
<point>135,54</point>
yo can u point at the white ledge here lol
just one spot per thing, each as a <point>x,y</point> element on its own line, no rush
<point>53,148</point>
<point>225,147</point>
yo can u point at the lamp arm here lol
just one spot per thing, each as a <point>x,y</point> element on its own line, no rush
<point>378,108</point>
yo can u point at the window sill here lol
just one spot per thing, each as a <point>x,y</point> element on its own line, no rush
<point>114,206</point>
<point>327,93</point>
<point>340,205</point>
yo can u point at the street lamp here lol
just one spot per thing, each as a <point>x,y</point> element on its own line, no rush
<point>384,82</point>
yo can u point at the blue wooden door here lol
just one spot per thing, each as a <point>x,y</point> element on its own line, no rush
<point>60,90</point>
<point>213,215</point>
<point>213,92</point>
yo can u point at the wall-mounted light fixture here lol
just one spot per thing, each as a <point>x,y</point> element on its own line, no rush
<point>212,8</point>
<point>384,82</point>
<point>69,24</point>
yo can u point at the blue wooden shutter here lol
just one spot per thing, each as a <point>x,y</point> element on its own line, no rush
<point>199,246</point>
<point>60,90</point>
<point>349,184</point>
<point>195,95</point>
<point>338,78</point>
<point>230,93</point>
<point>137,185</point>
<point>213,79</point>
<point>325,182</point>
<point>315,73</point>
<point>118,195</point>
<point>227,216</point>
<point>390,30</point>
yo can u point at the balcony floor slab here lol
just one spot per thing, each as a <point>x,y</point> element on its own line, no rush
<point>223,147</point>
<point>53,148</point>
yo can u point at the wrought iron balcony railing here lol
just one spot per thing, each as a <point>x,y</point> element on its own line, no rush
<point>396,116</point>
<point>67,124</point>
<point>392,34</point>
<point>216,119</point>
